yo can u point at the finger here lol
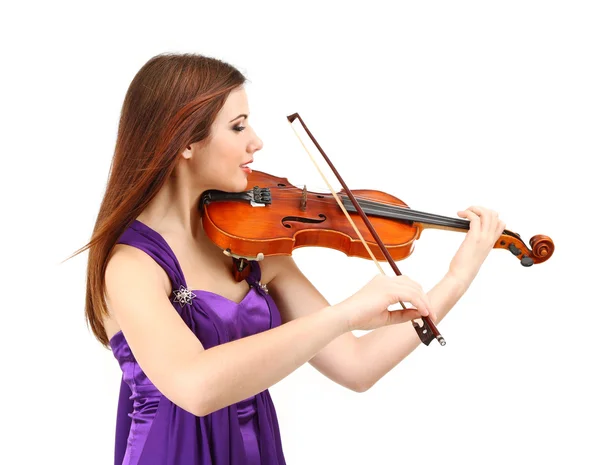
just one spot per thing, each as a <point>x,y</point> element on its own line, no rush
<point>496,221</point>
<point>474,221</point>
<point>493,222</point>
<point>469,213</point>
<point>420,303</point>
<point>483,215</point>
<point>433,317</point>
<point>500,228</point>
<point>416,298</point>
<point>402,316</point>
<point>425,299</point>
<point>490,223</point>
<point>412,292</point>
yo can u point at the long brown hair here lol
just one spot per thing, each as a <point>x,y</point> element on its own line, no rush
<point>171,103</point>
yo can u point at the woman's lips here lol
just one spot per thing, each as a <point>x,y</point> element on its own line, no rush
<point>246,168</point>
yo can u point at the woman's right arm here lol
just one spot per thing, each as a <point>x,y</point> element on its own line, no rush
<point>197,380</point>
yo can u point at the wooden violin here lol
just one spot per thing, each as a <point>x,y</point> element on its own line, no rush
<point>278,217</point>
<point>274,217</point>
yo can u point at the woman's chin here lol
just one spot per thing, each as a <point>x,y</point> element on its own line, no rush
<point>240,184</point>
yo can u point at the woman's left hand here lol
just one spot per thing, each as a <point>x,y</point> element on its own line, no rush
<point>484,230</point>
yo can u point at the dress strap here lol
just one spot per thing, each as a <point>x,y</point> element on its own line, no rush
<point>148,240</point>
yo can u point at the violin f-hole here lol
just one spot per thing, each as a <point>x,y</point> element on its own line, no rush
<point>300,219</point>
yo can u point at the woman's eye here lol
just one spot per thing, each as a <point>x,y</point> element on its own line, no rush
<point>239,128</point>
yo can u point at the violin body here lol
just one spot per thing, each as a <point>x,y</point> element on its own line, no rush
<point>298,218</point>
<point>274,218</point>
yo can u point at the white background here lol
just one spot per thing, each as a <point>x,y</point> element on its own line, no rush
<point>442,104</point>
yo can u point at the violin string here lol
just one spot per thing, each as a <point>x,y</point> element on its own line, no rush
<point>408,213</point>
<point>366,199</point>
<point>394,211</point>
<point>388,208</point>
<point>399,212</point>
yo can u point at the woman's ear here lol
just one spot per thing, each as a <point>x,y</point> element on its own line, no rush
<point>187,153</point>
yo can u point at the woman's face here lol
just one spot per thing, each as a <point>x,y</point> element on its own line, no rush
<point>219,162</point>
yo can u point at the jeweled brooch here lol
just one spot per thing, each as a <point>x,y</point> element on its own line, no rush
<point>183,296</point>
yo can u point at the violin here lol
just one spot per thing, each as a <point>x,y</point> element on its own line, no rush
<point>275,217</point>
<point>279,217</point>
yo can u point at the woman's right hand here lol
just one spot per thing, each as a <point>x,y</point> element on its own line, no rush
<point>368,308</point>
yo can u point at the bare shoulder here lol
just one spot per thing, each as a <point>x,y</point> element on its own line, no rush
<point>126,259</point>
<point>124,263</point>
<point>274,265</point>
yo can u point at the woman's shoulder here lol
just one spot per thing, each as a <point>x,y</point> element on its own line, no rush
<point>126,258</point>
<point>273,265</point>
<point>127,262</point>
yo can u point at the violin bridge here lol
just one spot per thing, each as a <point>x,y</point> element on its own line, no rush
<point>304,199</point>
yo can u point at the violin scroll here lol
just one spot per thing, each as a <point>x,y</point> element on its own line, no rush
<point>542,247</point>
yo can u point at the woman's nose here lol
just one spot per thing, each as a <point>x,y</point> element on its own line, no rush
<point>256,144</point>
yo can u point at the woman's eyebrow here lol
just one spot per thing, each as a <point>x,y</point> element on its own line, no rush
<point>243,114</point>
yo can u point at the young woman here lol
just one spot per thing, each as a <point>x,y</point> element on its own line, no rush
<point>199,350</point>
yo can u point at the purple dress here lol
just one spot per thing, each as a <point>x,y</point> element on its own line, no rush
<point>153,430</point>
